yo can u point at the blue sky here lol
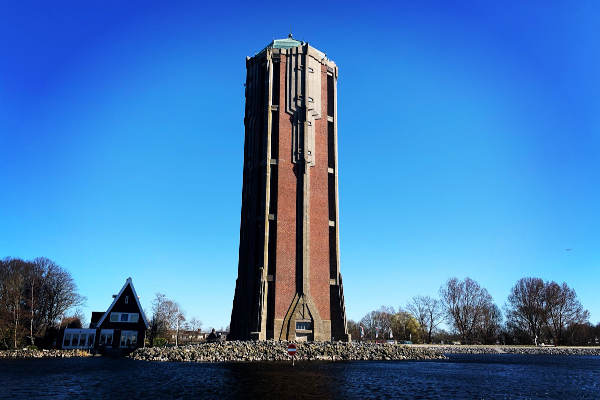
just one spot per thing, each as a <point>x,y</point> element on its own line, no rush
<point>469,144</point>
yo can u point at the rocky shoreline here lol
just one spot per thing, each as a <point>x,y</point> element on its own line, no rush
<point>500,349</point>
<point>239,351</point>
<point>43,353</point>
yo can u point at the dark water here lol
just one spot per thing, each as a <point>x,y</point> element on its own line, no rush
<point>462,377</point>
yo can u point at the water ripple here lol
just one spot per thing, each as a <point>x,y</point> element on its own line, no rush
<point>462,377</point>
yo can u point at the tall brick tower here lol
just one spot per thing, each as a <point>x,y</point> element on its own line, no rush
<point>289,285</point>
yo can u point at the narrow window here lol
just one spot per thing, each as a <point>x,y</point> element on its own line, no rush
<point>275,88</point>
<point>126,299</point>
<point>330,95</point>
<point>331,195</point>
<point>272,247</point>
<point>274,135</point>
<point>332,253</point>
<point>330,145</point>
<point>273,190</point>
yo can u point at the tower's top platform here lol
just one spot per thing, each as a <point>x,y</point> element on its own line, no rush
<point>282,46</point>
<point>286,43</point>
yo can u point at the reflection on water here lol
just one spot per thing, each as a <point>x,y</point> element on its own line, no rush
<point>465,376</point>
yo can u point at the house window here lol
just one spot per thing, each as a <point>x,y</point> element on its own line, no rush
<point>126,299</point>
<point>124,317</point>
<point>67,340</point>
<point>106,337</point>
<point>128,338</point>
<point>79,338</point>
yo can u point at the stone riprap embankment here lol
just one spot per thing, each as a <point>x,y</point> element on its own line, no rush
<point>499,349</point>
<point>42,353</point>
<point>239,351</point>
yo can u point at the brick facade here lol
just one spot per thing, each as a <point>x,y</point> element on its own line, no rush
<point>289,286</point>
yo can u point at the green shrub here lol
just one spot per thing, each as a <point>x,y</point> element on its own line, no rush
<point>160,342</point>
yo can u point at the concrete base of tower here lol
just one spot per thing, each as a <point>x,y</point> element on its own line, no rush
<point>300,330</point>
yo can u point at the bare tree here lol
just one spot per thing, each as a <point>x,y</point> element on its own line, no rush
<point>15,289</point>
<point>378,322</point>
<point>428,312</point>
<point>34,295</point>
<point>158,322</point>
<point>490,324</point>
<point>417,308</point>
<point>180,318</point>
<point>465,303</point>
<point>195,324</point>
<point>165,315</point>
<point>75,320</point>
<point>56,294</point>
<point>33,279</point>
<point>526,308</point>
<point>563,309</point>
